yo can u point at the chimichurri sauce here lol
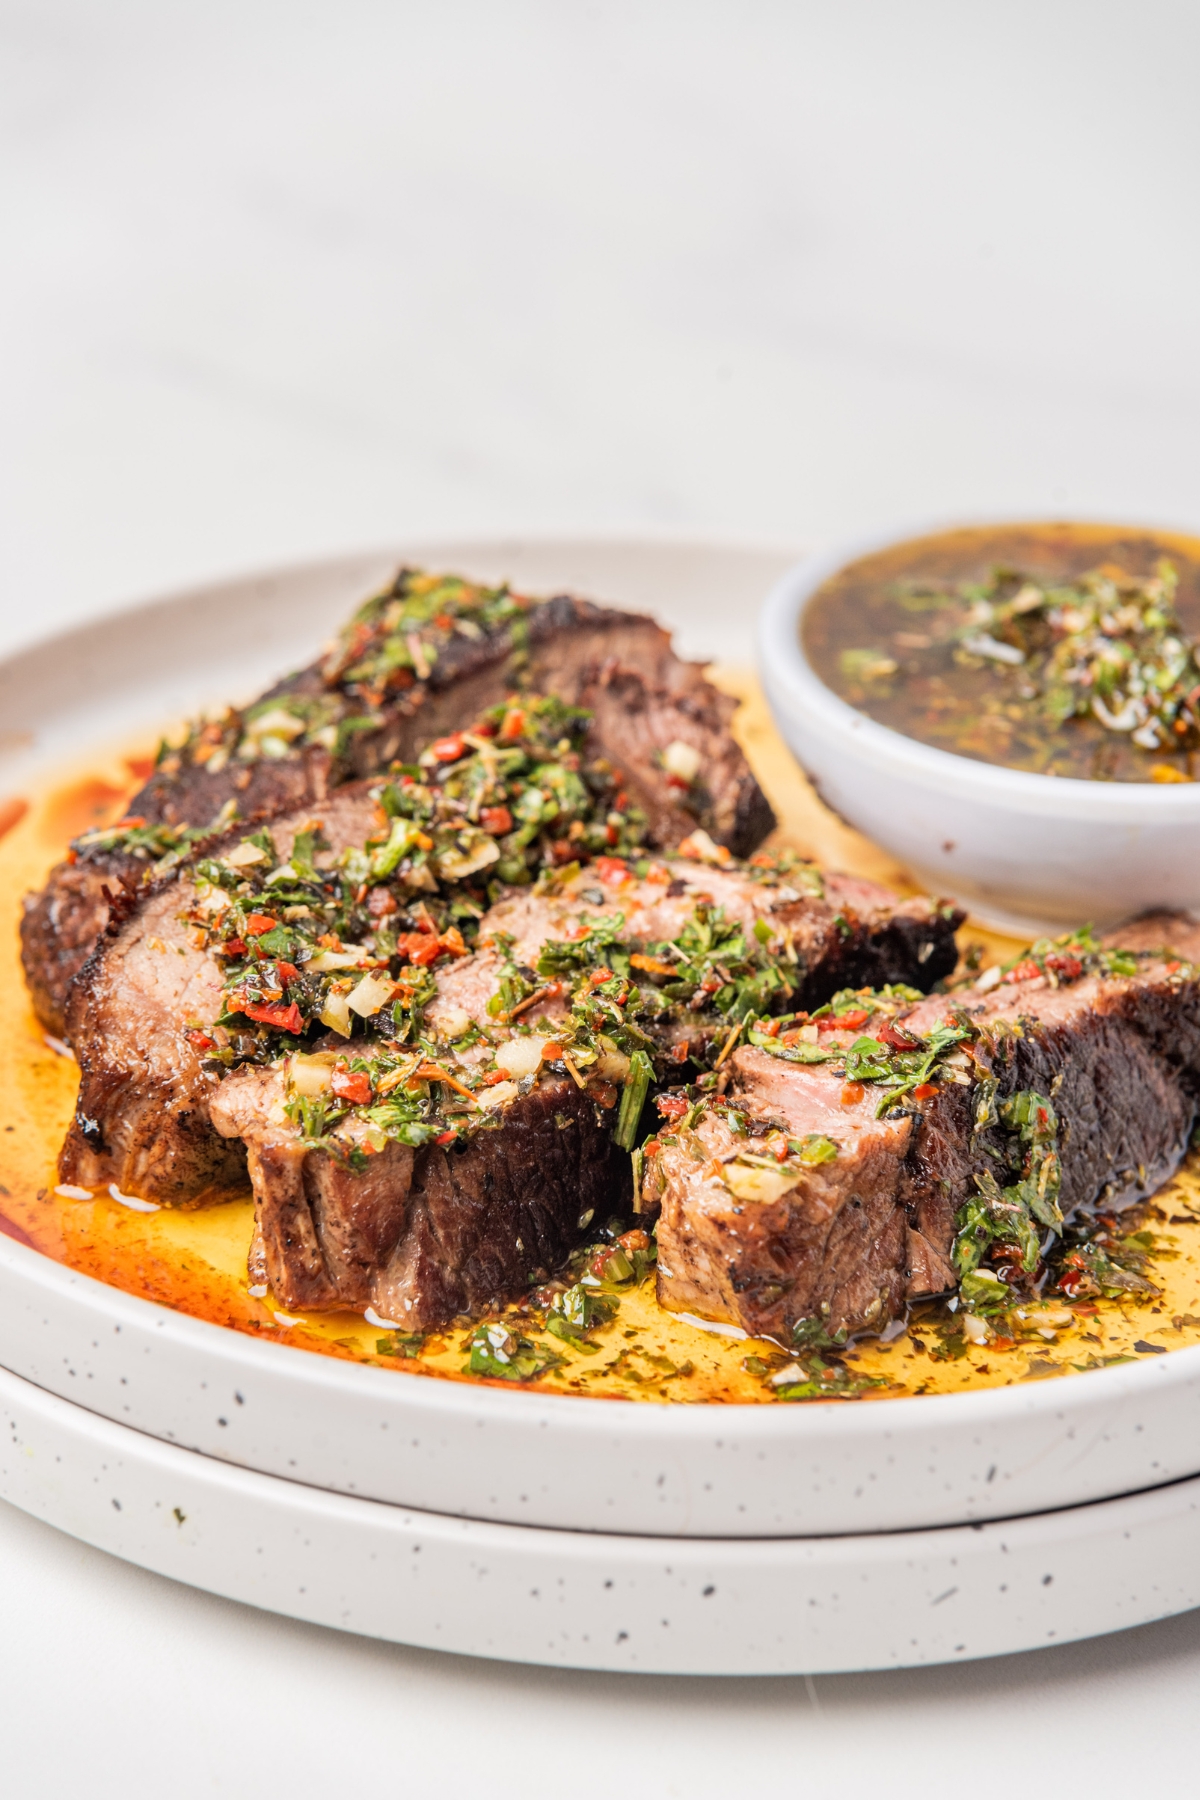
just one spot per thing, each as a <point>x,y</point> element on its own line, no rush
<point>1061,649</point>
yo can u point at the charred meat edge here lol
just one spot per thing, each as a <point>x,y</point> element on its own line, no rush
<point>859,1236</point>
<point>620,664</point>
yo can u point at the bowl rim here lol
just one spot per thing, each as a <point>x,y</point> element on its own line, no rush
<point>790,678</point>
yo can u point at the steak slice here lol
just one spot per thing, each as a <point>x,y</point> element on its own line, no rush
<point>384,693</point>
<point>142,1116</point>
<point>428,1234</point>
<point>848,1239</point>
<point>841,931</point>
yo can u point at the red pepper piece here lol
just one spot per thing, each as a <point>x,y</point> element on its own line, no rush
<point>448,749</point>
<point>926,1091</point>
<point>847,1021</point>
<point>514,723</point>
<point>496,819</point>
<point>288,971</point>
<point>896,1038</point>
<point>350,1084</point>
<point>1024,971</point>
<point>258,924</point>
<point>671,1106</point>
<point>447,1137</point>
<point>200,1040</point>
<point>1067,968</point>
<point>284,1018</point>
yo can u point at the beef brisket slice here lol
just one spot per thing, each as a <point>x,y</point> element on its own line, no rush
<point>142,1116</point>
<point>645,697</point>
<point>852,933</point>
<point>424,1235</point>
<point>1120,1058</point>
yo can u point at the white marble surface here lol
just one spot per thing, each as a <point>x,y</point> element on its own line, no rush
<point>281,280</point>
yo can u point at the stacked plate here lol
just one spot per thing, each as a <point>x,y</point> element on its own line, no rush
<point>598,1534</point>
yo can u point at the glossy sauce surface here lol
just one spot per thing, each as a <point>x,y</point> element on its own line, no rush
<point>194,1262</point>
<point>905,637</point>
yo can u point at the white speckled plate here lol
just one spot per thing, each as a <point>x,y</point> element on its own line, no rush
<point>481,1453</point>
<point>598,1600</point>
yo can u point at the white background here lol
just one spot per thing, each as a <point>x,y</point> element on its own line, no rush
<point>284,279</point>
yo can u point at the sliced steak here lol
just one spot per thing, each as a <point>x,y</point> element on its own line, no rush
<point>142,1116</point>
<point>847,1239</point>
<point>646,698</point>
<point>422,1235</point>
<point>837,931</point>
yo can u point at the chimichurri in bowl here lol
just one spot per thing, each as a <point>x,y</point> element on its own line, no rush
<point>1061,650</point>
<point>1012,710</point>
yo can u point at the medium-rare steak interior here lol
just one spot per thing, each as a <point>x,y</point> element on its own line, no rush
<point>431,1010</point>
<point>889,1146</point>
<point>410,666</point>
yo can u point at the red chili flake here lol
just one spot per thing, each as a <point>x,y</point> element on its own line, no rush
<point>771,1029</point>
<point>284,1018</point>
<point>852,1092</point>
<point>351,1085</point>
<point>288,971</point>
<point>258,924</point>
<point>496,819</point>
<point>652,1148</point>
<point>447,1137</point>
<point>599,976</point>
<point>611,835</point>
<point>486,729</point>
<point>847,1021</point>
<point>611,868</point>
<point>72,856</point>
<point>200,1040</point>
<point>926,1091</point>
<point>681,1051</point>
<point>448,749</point>
<point>896,1038</point>
<point>514,723</point>
<point>1173,968</point>
<point>671,1106</point>
<point>231,947</point>
<point>419,947</point>
<point>562,851</point>
<point>494,1077</point>
<point>130,822</point>
<point>444,622</point>
<point>621,801</point>
<point>1024,971</point>
<point>1067,968</point>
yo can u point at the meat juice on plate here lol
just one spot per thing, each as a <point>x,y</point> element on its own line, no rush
<point>622,1344</point>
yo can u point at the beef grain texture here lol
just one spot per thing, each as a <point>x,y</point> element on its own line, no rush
<point>424,1235</point>
<point>142,1117</point>
<point>856,1237</point>
<point>621,663</point>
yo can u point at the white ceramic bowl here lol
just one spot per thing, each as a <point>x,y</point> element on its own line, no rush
<point>1025,852</point>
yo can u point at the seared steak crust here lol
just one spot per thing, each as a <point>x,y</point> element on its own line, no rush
<point>425,1235</point>
<point>142,1115</point>
<point>1119,1056</point>
<point>622,663</point>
